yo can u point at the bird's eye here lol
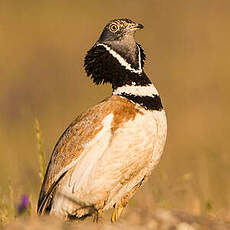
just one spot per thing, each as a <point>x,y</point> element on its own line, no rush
<point>113,27</point>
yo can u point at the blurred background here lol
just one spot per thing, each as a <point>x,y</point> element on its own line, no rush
<point>42,48</point>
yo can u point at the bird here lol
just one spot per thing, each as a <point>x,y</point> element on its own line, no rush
<point>108,151</point>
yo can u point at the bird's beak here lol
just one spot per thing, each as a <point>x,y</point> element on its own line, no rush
<point>136,27</point>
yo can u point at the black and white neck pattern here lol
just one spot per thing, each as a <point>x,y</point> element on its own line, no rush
<point>128,80</point>
<point>146,96</point>
<point>123,62</point>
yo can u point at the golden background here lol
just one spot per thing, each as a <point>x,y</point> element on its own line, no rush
<point>187,43</point>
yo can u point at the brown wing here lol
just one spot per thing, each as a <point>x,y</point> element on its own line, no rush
<point>71,143</point>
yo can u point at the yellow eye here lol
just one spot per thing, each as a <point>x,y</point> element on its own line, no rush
<point>113,27</point>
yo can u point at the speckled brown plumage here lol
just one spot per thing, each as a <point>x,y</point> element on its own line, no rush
<point>81,131</point>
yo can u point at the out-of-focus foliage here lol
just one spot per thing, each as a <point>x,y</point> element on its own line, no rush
<point>42,48</point>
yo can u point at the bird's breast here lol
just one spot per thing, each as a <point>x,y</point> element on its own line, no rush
<point>125,149</point>
<point>132,151</point>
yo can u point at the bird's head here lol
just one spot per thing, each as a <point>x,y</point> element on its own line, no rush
<point>119,34</point>
<point>116,57</point>
<point>118,30</point>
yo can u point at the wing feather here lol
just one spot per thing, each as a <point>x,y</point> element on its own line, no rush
<point>74,142</point>
<point>68,149</point>
<point>91,154</point>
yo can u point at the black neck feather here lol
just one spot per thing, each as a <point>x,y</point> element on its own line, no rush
<point>148,102</point>
<point>104,68</point>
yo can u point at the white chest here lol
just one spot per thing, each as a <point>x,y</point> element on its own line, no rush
<point>115,161</point>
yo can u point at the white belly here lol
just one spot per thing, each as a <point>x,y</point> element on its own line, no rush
<point>114,163</point>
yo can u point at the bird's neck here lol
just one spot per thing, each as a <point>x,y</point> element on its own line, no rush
<point>143,95</point>
<point>128,79</point>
